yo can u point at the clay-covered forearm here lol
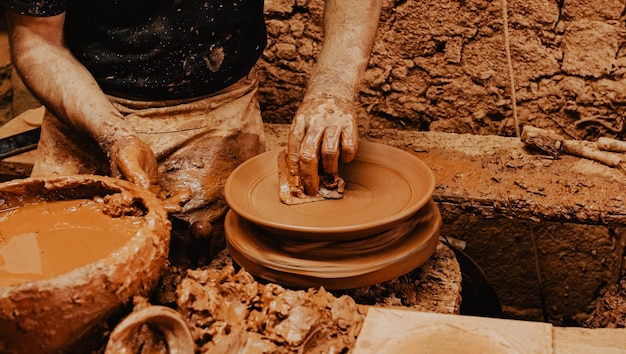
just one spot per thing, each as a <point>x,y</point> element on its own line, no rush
<point>60,81</point>
<point>349,31</point>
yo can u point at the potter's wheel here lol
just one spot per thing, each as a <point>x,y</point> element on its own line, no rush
<point>334,265</point>
<point>386,224</point>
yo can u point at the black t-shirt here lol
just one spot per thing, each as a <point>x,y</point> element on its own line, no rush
<point>159,49</point>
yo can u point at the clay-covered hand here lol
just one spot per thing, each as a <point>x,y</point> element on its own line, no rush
<point>133,160</point>
<point>324,129</point>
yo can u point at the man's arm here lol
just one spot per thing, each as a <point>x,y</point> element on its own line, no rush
<point>66,88</point>
<point>350,28</point>
<point>326,121</point>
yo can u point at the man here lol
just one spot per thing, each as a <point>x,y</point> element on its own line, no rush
<point>162,93</point>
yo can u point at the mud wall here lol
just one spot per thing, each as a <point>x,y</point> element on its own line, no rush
<point>442,65</point>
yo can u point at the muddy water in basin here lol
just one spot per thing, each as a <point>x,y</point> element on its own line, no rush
<point>41,241</point>
<point>74,250</point>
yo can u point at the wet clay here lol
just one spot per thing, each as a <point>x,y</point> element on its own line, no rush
<point>230,312</point>
<point>331,186</point>
<point>41,241</point>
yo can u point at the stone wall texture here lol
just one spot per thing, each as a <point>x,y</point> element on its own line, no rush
<point>442,65</point>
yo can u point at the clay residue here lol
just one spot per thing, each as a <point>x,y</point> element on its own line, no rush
<point>292,193</point>
<point>610,308</point>
<point>230,312</point>
<point>434,287</point>
<point>120,204</point>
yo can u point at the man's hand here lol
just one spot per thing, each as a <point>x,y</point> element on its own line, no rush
<point>325,128</point>
<point>68,89</point>
<point>133,160</point>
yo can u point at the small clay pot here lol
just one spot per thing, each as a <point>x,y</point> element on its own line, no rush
<point>171,324</point>
<point>57,314</point>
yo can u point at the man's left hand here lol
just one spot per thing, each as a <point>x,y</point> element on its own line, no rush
<point>324,128</point>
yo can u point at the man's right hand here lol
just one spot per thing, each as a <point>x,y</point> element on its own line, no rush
<point>133,160</point>
<point>68,89</point>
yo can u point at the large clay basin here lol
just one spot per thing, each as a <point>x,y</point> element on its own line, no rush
<point>63,313</point>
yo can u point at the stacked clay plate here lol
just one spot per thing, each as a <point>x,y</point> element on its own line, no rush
<point>385,225</point>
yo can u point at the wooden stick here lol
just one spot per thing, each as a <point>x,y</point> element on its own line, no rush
<point>553,144</point>
<point>609,144</point>
<point>577,148</point>
<point>507,48</point>
<point>545,140</point>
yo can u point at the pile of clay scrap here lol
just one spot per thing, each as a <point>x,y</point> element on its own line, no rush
<point>606,151</point>
<point>230,312</point>
<point>610,308</point>
<point>433,287</point>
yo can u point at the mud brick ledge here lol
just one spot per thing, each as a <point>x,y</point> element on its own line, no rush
<point>498,176</point>
<point>548,233</point>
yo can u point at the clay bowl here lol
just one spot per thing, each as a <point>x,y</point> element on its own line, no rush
<point>384,186</point>
<point>64,312</point>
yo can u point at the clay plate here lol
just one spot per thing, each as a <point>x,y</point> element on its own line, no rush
<point>263,255</point>
<point>384,186</point>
